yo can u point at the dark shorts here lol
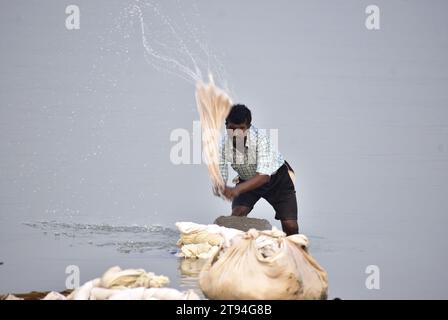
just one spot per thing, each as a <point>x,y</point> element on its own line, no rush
<point>279,192</point>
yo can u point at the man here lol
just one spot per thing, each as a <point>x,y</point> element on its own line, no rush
<point>262,171</point>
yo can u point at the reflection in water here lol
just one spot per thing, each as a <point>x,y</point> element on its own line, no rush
<point>189,274</point>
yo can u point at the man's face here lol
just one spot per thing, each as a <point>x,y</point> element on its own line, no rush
<point>236,130</point>
<point>237,133</point>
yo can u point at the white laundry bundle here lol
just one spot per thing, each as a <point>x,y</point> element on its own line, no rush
<point>213,106</point>
<point>128,284</point>
<point>264,265</point>
<point>10,297</point>
<point>115,278</point>
<point>198,250</point>
<point>203,241</point>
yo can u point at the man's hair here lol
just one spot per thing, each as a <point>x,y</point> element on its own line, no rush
<point>239,114</point>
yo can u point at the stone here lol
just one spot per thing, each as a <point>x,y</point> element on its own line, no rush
<point>243,223</point>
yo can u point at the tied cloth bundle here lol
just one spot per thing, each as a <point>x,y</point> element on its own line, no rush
<point>213,106</point>
<point>264,265</point>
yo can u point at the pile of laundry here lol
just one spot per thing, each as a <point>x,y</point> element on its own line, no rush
<point>128,284</point>
<point>254,264</point>
<point>203,241</point>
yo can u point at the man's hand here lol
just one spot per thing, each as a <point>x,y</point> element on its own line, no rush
<point>251,184</point>
<point>231,192</point>
<point>216,192</point>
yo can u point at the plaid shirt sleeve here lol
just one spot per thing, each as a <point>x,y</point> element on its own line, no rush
<point>223,166</point>
<point>265,156</point>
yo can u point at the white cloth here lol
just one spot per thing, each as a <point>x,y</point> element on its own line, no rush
<point>264,265</point>
<point>201,246</point>
<point>128,284</point>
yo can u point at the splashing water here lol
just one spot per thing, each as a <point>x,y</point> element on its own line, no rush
<point>166,48</point>
<point>144,238</point>
<point>175,48</point>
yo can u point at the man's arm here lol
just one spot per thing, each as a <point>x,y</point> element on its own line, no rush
<point>256,181</point>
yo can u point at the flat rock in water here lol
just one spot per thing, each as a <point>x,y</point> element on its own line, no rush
<point>243,223</point>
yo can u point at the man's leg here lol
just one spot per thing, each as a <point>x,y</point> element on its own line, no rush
<point>241,211</point>
<point>290,227</point>
<point>244,203</point>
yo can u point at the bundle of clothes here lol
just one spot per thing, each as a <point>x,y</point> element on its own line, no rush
<point>118,284</point>
<point>254,264</point>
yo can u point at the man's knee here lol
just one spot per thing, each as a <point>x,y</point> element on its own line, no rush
<point>290,227</point>
<point>241,211</point>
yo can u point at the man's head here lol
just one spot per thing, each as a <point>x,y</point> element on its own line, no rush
<point>239,118</point>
